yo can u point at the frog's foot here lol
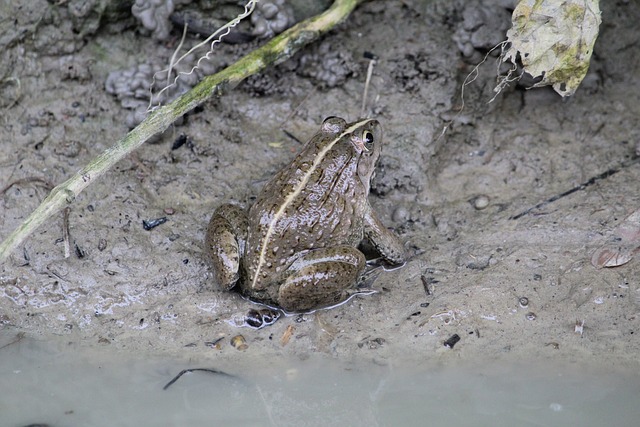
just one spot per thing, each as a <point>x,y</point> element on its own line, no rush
<point>383,264</point>
<point>321,278</point>
<point>369,276</point>
<point>224,243</point>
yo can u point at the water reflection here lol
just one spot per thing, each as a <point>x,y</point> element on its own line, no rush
<point>44,383</point>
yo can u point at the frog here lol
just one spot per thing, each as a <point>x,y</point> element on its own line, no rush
<point>296,247</point>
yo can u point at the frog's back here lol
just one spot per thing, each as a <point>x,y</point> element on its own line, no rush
<point>314,202</point>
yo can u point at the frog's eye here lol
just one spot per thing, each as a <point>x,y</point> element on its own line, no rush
<point>367,139</point>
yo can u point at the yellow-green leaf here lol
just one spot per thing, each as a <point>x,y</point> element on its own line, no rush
<point>555,40</point>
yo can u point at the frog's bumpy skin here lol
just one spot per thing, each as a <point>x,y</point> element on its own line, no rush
<point>270,18</point>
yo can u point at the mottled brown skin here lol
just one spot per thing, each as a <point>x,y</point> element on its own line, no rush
<point>297,246</point>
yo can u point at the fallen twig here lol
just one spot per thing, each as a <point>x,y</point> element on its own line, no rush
<point>188,371</point>
<point>66,238</point>
<point>588,183</point>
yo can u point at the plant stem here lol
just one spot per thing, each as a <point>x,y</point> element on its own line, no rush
<point>273,52</point>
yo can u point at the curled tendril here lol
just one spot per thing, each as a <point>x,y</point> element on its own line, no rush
<point>213,39</point>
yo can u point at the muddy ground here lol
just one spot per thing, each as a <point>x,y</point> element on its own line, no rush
<point>511,289</point>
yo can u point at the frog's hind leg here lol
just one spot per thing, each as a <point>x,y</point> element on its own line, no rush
<point>320,278</point>
<point>224,243</point>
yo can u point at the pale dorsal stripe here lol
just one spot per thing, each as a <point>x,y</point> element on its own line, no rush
<point>296,191</point>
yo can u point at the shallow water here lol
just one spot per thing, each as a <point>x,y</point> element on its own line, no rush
<point>43,383</point>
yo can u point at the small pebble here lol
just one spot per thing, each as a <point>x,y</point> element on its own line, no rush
<point>481,202</point>
<point>80,253</point>
<point>453,339</point>
<point>531,316</point>
<point>524,301</point>
<point>153,223</point>
<point>239,342</point>
<point>400,214</point>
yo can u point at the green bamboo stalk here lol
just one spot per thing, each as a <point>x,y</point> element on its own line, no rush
<point>273,52</point>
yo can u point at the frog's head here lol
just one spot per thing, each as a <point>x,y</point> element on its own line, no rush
<point>363,136</point>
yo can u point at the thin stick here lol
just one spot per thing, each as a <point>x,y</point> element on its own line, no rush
<point>273,52</point>
<point>365,95</point>
<point>28,180</point>
<point>604,175</point>
<point>188,371</point>
<point>66,238</point>
<point>18,338</point>
<point>172,61</point>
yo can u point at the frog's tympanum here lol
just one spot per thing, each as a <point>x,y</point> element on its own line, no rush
<point>296,248</point>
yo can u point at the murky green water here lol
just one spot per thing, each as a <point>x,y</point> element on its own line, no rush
<point>41,383</point>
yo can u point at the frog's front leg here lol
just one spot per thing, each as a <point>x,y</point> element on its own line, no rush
<point>225,242</point>
<point>384,240</point>
<point>320,278</point>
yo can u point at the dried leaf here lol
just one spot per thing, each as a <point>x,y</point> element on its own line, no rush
<point>625,242</point>
<point>555,40</point>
